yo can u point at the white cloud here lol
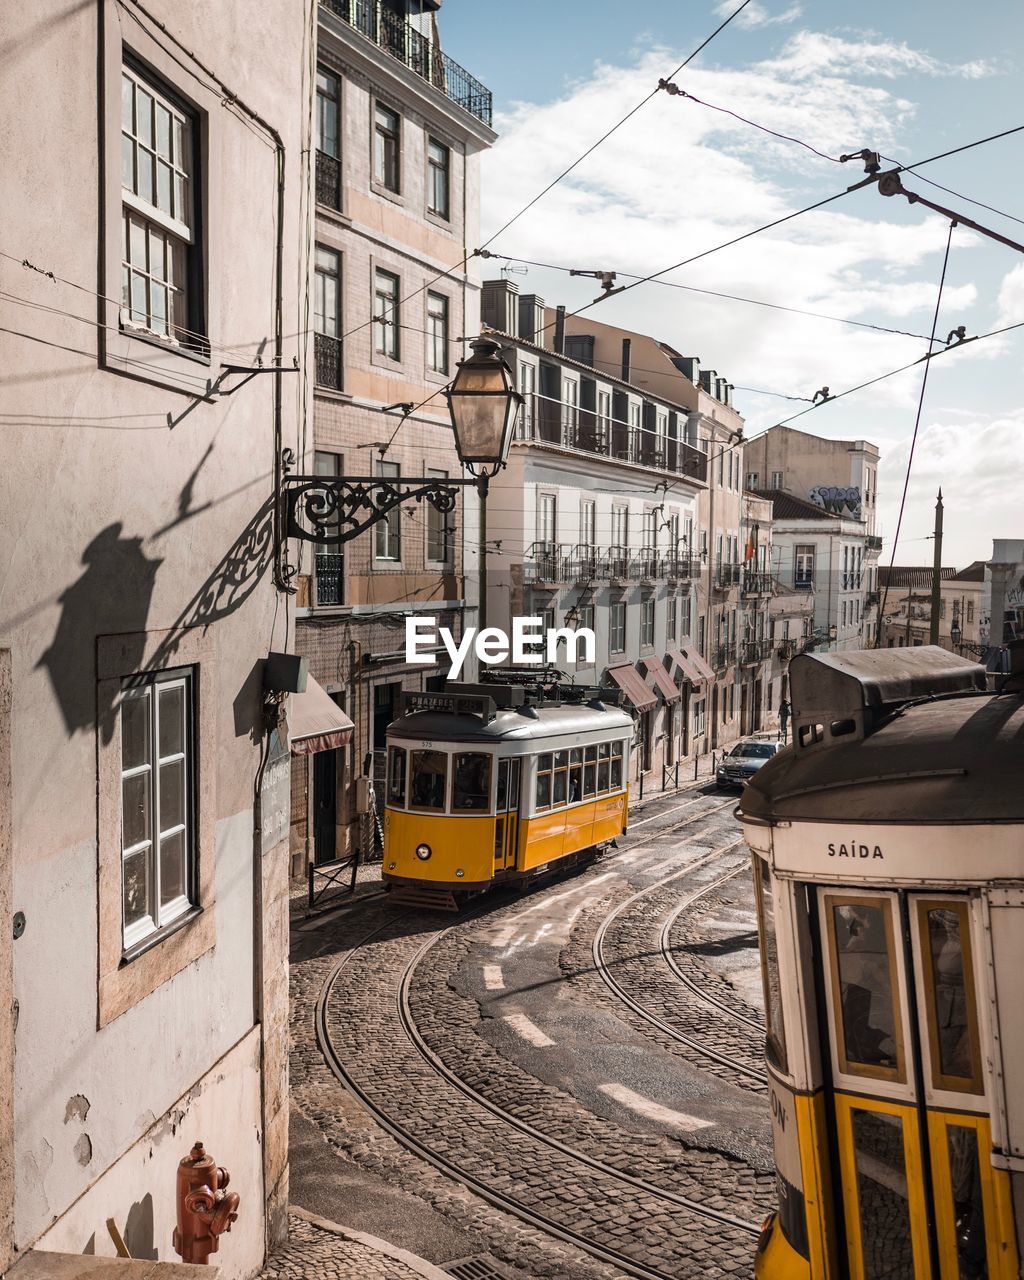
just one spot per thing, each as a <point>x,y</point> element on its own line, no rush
<point>815,53</point>
<point>756,15</point>
<point>1011,297</point>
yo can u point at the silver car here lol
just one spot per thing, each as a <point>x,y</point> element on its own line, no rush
<point>744,760</point>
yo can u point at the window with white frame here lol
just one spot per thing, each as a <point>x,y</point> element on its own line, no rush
<point>617,625</point>
<point>570,409</point>
<point>842,613</point>
<point>647,621</point>
<point>585,615</point>
<point>528,390</point>
<point>386,148</point>
<point>158,839</point>
<point>698,718</point>
<point>327,318</point>
<point>440,531</point>
<point>620,526</point>
<point>673,533</point>
<point>650,530</point>
<point>385,314</point>
<point>604,409</point>
<point>388,531</point>
<point>672,618</point>
<point>437,332</point>
<point>159,245</point>
<point>753,479</point>
<point>588,522</point>
<point>777,479</point>
<point>702,637</point>
<point>685,622</point>
<point>439,164</point>
<point>803,560</point>
<point>547,519</point>
<point>328,138</point>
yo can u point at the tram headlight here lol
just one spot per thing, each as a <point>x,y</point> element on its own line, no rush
<point>460,873</point>
<point>423,852</point>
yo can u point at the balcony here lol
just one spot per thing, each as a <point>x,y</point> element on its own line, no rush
<point>874,542</point>
<point>755,651</point>
<point>722,655</point>
<point>680,568</point>
<point>328,180</point>
<point>803,583</point>
<point>870,598</point>
<point>556,563</point>
<point>544,563</point>
<point>756,584</point>
<point>330,578</point>
<point>726,576</point>
<point>399,38</point>
<point>328,361</point>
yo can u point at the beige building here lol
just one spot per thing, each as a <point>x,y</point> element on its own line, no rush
<point>399,128</point>
<point>151,233</point>
<point>906,602</point>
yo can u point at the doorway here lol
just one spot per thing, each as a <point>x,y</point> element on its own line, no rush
<point>506,826</point>
<point>917,1191</point>
<point>325,806</point>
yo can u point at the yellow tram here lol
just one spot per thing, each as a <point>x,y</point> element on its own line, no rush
<point>888,854</point>
<point>490,783</point>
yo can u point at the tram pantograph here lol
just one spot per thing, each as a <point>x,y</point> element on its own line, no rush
<point>888,860</point>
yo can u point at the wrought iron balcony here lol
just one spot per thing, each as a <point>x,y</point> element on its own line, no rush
<point>870,598</point>
<point>755,651</point>
<point>803,584</point>
<point>330,578</point>
<point>786,649</point>
<point>726,576</point>
<point>544,562</point>
<point>328,180</point>
<point>683,568</point>
<point>722,655</point>
<point>328,361</point>
<point>755,583</point>
<point>398,37</point>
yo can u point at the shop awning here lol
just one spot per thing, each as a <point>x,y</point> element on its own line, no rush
<point>691,664</point>
<point>633,685</point>
<point>662,679</point>
<point>316,722</point>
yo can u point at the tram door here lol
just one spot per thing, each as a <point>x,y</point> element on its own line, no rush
<point>506,824</point>
<point>919,1198</point>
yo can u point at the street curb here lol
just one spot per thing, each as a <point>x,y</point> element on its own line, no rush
<point>411,1260</point>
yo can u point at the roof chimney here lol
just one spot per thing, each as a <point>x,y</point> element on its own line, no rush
<point>559,343</point>
<point>627,346</point>
<point>531,318</point>
<point>498,306</point>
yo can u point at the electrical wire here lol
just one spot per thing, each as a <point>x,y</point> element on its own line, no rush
<point>913,438</point>
<point>959,194</point>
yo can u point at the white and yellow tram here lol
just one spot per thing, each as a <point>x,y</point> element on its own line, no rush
<point>486,784</point>
<point>888,861</point>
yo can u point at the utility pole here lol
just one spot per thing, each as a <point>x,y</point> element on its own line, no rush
<point>933,631</point>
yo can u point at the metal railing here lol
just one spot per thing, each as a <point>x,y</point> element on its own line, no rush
<point>803,584</point>
<point>332,877</point>
<point>755,651</point>
<point>328,180</point>
<point>328,361</point>
<point>726,576</point>
<point>722,655</point>
<point>874,542</point>
<point>398,37</point>
<point>330,578</point>
<point>756,583</point>
<point>584,562</point>
<point>870,598</point>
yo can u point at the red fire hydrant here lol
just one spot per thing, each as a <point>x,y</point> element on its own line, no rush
<point>205,1209</point>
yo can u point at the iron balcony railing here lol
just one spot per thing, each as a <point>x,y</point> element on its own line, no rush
<point>586,563</point>
<point>328,361</point>
<point>756,583</point>
<point>726,576</point>
<point>330,578</point>
<point>546,420</point>
<point>394,34</point>
<point>755,651</point>
<point>328,180</point>
<point>803,583</point>
<point>870,598</point>
<point>543,562</point>
<point>723,654</point>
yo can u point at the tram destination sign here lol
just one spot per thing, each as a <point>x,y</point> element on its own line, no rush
<point>455,704</point>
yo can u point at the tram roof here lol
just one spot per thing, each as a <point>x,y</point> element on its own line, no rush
<point>954,760</point>
<point>511,725</point>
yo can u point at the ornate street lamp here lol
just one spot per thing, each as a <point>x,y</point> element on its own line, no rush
<point>955,634</point>
<point>332,510</point>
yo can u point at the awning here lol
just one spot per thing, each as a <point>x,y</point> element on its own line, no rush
<point>633,685</point>
<point>662,679</point>
<point>315,721</point>
<point>691,664</point>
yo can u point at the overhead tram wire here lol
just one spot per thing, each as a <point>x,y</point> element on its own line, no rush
<point>913,438</point>
<point>715,293</point>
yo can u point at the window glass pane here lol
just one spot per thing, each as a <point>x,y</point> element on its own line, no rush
<point>968,1207</point>
<point>865,981</point>
<point>158,307</point>
<point>616,772</point>
<point>127,163</point>
<point>591,753</point>
<point>173,879</point>
<point>144,162</point>
<point>776,1036</point>
<point>172,794</point>
<point>883,1196</point>
<point>951,1002</point>
<point>163,132</point>
<point>561,759</point>
<point>602,776</point>
<point>163,187</point>
<point>157,254</point>
<point>127,92</point>
<point>137,243</point>
<point>429,779</point>
<point>543,790</point>
<point>134,731</point>
<point>575,783</point>
<point>559,787</point>
<point>139,307</point>
<point>589,779</point>
<point>136,887</point>
<point>181,199</point>
<point>135,827</point>
<point>172,720</point>
<point>396,777</point>
<point>472,781</point>
<point>544,762</point>
<point>143,116</point>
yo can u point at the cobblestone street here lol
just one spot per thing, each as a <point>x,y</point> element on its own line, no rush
<point>562,1084</point>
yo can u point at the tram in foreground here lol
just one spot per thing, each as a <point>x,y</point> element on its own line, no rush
<point>888,857</point>
<point>491,784</point>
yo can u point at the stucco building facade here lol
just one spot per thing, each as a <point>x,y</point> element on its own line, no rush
<point>147,970</point>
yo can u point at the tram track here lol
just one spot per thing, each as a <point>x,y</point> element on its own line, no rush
<point>672,1215</point>
<point>729,1061</point>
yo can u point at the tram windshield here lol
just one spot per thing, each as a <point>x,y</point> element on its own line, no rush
<point>429,779</point>
<point>472,782</point>
<point>396,777</point>
<point>865,979</point>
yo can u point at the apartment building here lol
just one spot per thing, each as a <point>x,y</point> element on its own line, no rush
<point>906,601</point>
<point>399,128</point>
<point>1002,603</point>
<point>153,212</point>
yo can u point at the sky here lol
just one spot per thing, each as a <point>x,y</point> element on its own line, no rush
<point>908,80</point>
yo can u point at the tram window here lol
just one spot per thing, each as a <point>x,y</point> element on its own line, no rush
<point>968,1205</point>
<point>840,727</point>
<point>602,775</point>
<point>811,733</point>
<point>560,778</point>
<point>883,1195</point>
<point>604,750</point>
<point>589,779</point>
<point>775,1035</point>
<point>544,781</point>
<point>949,996</point>
<point>472,782</point>
<point>429,779</point>
<point>503,768</point>
<point>396,777</point>
<point>575,775</point>
<point>864,987</point>
<point>616,770</point>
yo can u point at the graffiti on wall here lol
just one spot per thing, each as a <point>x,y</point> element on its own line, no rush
<point>837,499</point>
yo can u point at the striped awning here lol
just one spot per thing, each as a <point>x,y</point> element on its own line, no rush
<point>656,668</point>
<point>316,722</point>
<point>633,685</point>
